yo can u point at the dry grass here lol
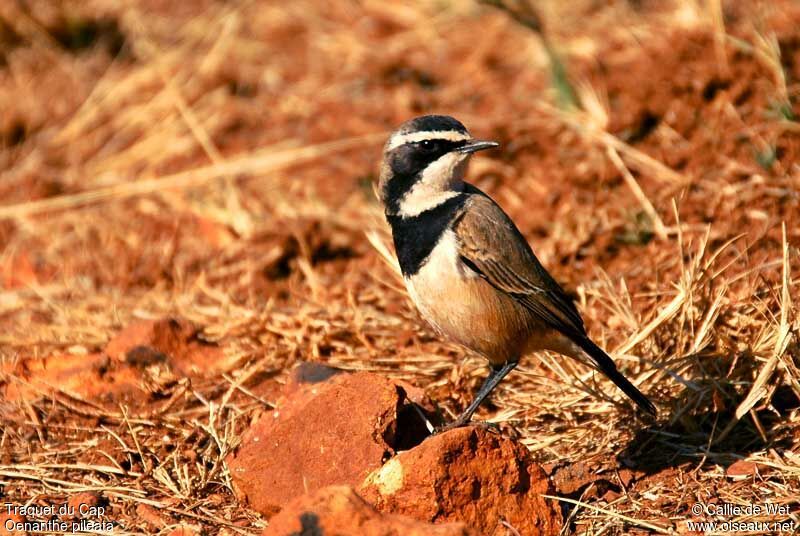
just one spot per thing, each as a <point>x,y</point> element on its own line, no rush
<point>215,163</point>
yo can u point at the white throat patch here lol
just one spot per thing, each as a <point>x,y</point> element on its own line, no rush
<point>440,181</point>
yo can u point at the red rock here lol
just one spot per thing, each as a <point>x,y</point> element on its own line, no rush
<point>741,469</point>
<point>339,510</point>
<point>89,376</point>
<point>334,432</point>
<point>467,474</point>
<point>170,340</point>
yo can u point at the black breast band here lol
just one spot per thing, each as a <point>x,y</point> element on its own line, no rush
<point>416,236</point>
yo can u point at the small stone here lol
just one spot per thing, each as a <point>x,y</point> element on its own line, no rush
<point>741,469</point>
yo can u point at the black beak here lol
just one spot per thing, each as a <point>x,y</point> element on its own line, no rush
<point>476,145</point>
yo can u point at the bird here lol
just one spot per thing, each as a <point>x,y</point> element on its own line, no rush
<point>467,267</point>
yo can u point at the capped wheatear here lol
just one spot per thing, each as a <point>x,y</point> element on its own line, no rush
<point>466,266</point>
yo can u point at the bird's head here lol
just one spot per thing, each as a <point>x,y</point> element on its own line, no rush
<point>424,162</point>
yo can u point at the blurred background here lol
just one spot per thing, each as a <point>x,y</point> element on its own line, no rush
<point>215,160</point>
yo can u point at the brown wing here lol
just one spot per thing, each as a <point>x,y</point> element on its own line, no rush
<point>492,246</point>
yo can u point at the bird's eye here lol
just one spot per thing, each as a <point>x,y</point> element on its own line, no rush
<point>428,145</point>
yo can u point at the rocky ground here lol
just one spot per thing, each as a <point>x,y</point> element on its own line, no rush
<point>202,328</point>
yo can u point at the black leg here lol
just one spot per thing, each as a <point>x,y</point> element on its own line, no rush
<point>496,375</point>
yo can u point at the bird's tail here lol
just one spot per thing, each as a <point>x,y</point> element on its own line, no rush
<point>606,365</point>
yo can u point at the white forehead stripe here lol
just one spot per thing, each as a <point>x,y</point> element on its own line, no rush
<point>450,135</point>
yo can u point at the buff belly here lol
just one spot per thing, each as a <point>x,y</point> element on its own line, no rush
<point>462,306</point>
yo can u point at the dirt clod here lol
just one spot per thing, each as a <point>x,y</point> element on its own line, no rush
<point>741,469</point>
<point>172,340</point>
<point>334,432</point>
<point>467,474</point>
